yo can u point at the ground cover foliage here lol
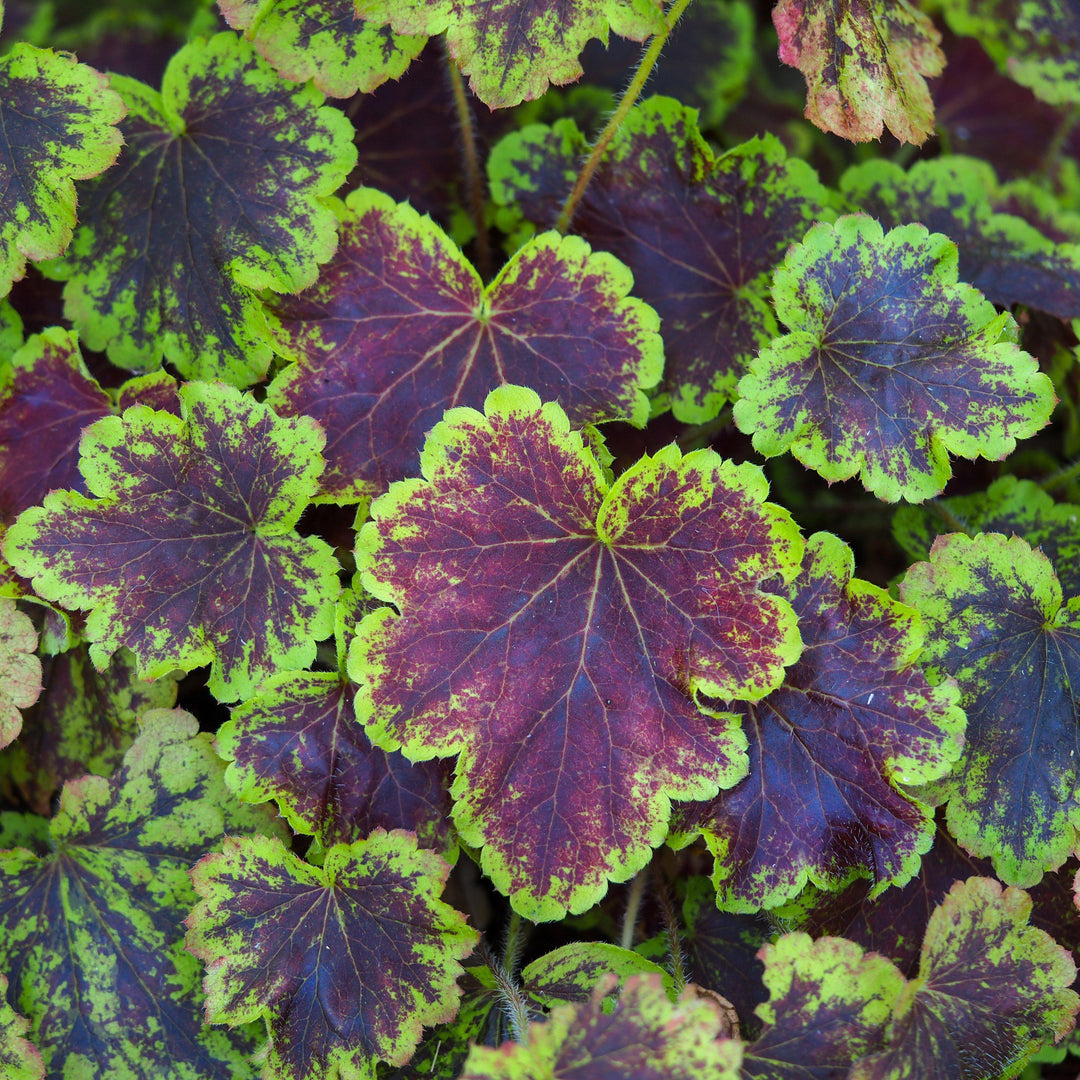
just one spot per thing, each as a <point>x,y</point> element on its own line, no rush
<point>539,539</point>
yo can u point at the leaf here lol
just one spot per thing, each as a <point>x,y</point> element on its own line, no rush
<point>512,49</point>
<point>47,398</point>
<point>19,1059</point>
<point>58,121</point>
<point>298,741</point>
<point>646,1036</point>
<point>554,630</point>
<point>346,961</point>
<point>996,621</point>
<point>83,722</point>
<point>865,65</point>
<point>216,195</point>
<point>828,1005</point>
<point>829,748</point>
<point>890,365</point>
<point>1037,42</point>
<point>571,973</point>
<point>20,669</point>
<point>188,555</point>
<point>1009,260</point>
<point>90,913</point>
<point>323,40</point>
<point>701,234</point>
<point>400,327</point>
<point>990,989</point>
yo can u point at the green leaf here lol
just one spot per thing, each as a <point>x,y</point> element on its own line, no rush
<point>829,749</point>
<point>400,328</point>
<point>217,194</point>
<point>701,233</point>
<point>572,972</point>
<point>646,1036</point>
<point>325,41</point>
<point>90,914</point>
<point>552,626</point>
<point>996,621</point>
<point>19,1059</point>
<point>513,49</point>
<point>189,555</point>
<point>990,990</point>
<point>865,65</point>
<point>57,122</point>
<point>20,669</point>
<point>84,722</point>
<point>890,363</point>
<point>346,961</point>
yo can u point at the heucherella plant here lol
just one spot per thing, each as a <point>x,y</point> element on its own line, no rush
<point>507,575</point>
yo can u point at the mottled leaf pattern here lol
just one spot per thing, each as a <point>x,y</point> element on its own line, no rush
<point>188,555</point>
<point>400,328</point>
<point>216,194</point>
<point>853,719</point>
<point>865,64</point>
<point>554,631</point>
<point>345,961</point>
<point>19,1059</point>
<point>20,669</point>
<point>890,363</point>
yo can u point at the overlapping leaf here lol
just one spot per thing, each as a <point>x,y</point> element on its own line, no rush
<point>188,555</point>
<point>865,65</point>
<point>554,629</point>
<point>1037,42</point>
<point>57,124</point>
<point>702,234</point>
<point>325,41</point>
<point>19,1059</point>
<point>346,961</point>
<point>84,722</point>
<point>400,328</point>
<point>513,49</point>
<point>217,193</point>
<point>828,748</point>
<point>890,364</point>
<point>20,669</point>
<point>645,1036</point>
<point>1007,258</point>
<point>996,620</point>
<point>990,988</point>
<point>47,398</point>
<point>91,906</point>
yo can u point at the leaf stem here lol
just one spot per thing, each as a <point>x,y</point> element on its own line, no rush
<point>630,96</point>
<point>633,907</point>
<point>667,909</point>
<point>1057,141</point>
<point>504,972</point>
<point>698,436</point>
<point>474,175</point>
<point>1063,476</point>
<point>953,521</point>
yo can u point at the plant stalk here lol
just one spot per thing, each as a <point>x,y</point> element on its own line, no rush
<point>1062,477</point>
<point>667,909</point>
<point>626,103</point>
<point>633,908</point>
<point>474,174</point>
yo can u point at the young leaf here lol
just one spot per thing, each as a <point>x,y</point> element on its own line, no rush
<point>19,1058</point>
<point>1008,259</point>
<point>188,555</point>
<point>512,49</point>
<point>996,622</point>
<point>58,121</point>
<point>346,961</point>
<point>701,234</point>
<point>990,989</point>
<point>555,630</point>
<point>400,327</point>
<point>852,719</point>
<point>20,669</point>
<point>217,193</point>
<point>298,741</point>
<point>84,722</point>
<point>91,909</point>
<point>865,65</point>
<point>323,40</point>
<point>890,363</point>
<point>646,1036</point>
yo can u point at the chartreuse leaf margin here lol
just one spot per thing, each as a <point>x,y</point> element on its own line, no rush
<point>552,623</point>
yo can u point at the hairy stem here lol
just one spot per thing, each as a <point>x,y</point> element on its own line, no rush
<point>1063,476</point>
<point>698,436</point>
<point>474,174</point>
<point>1057,141</point>
<point>633,907</point>
<point>951,520</point>
<point>626,103</point>
<point>671,922</point>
